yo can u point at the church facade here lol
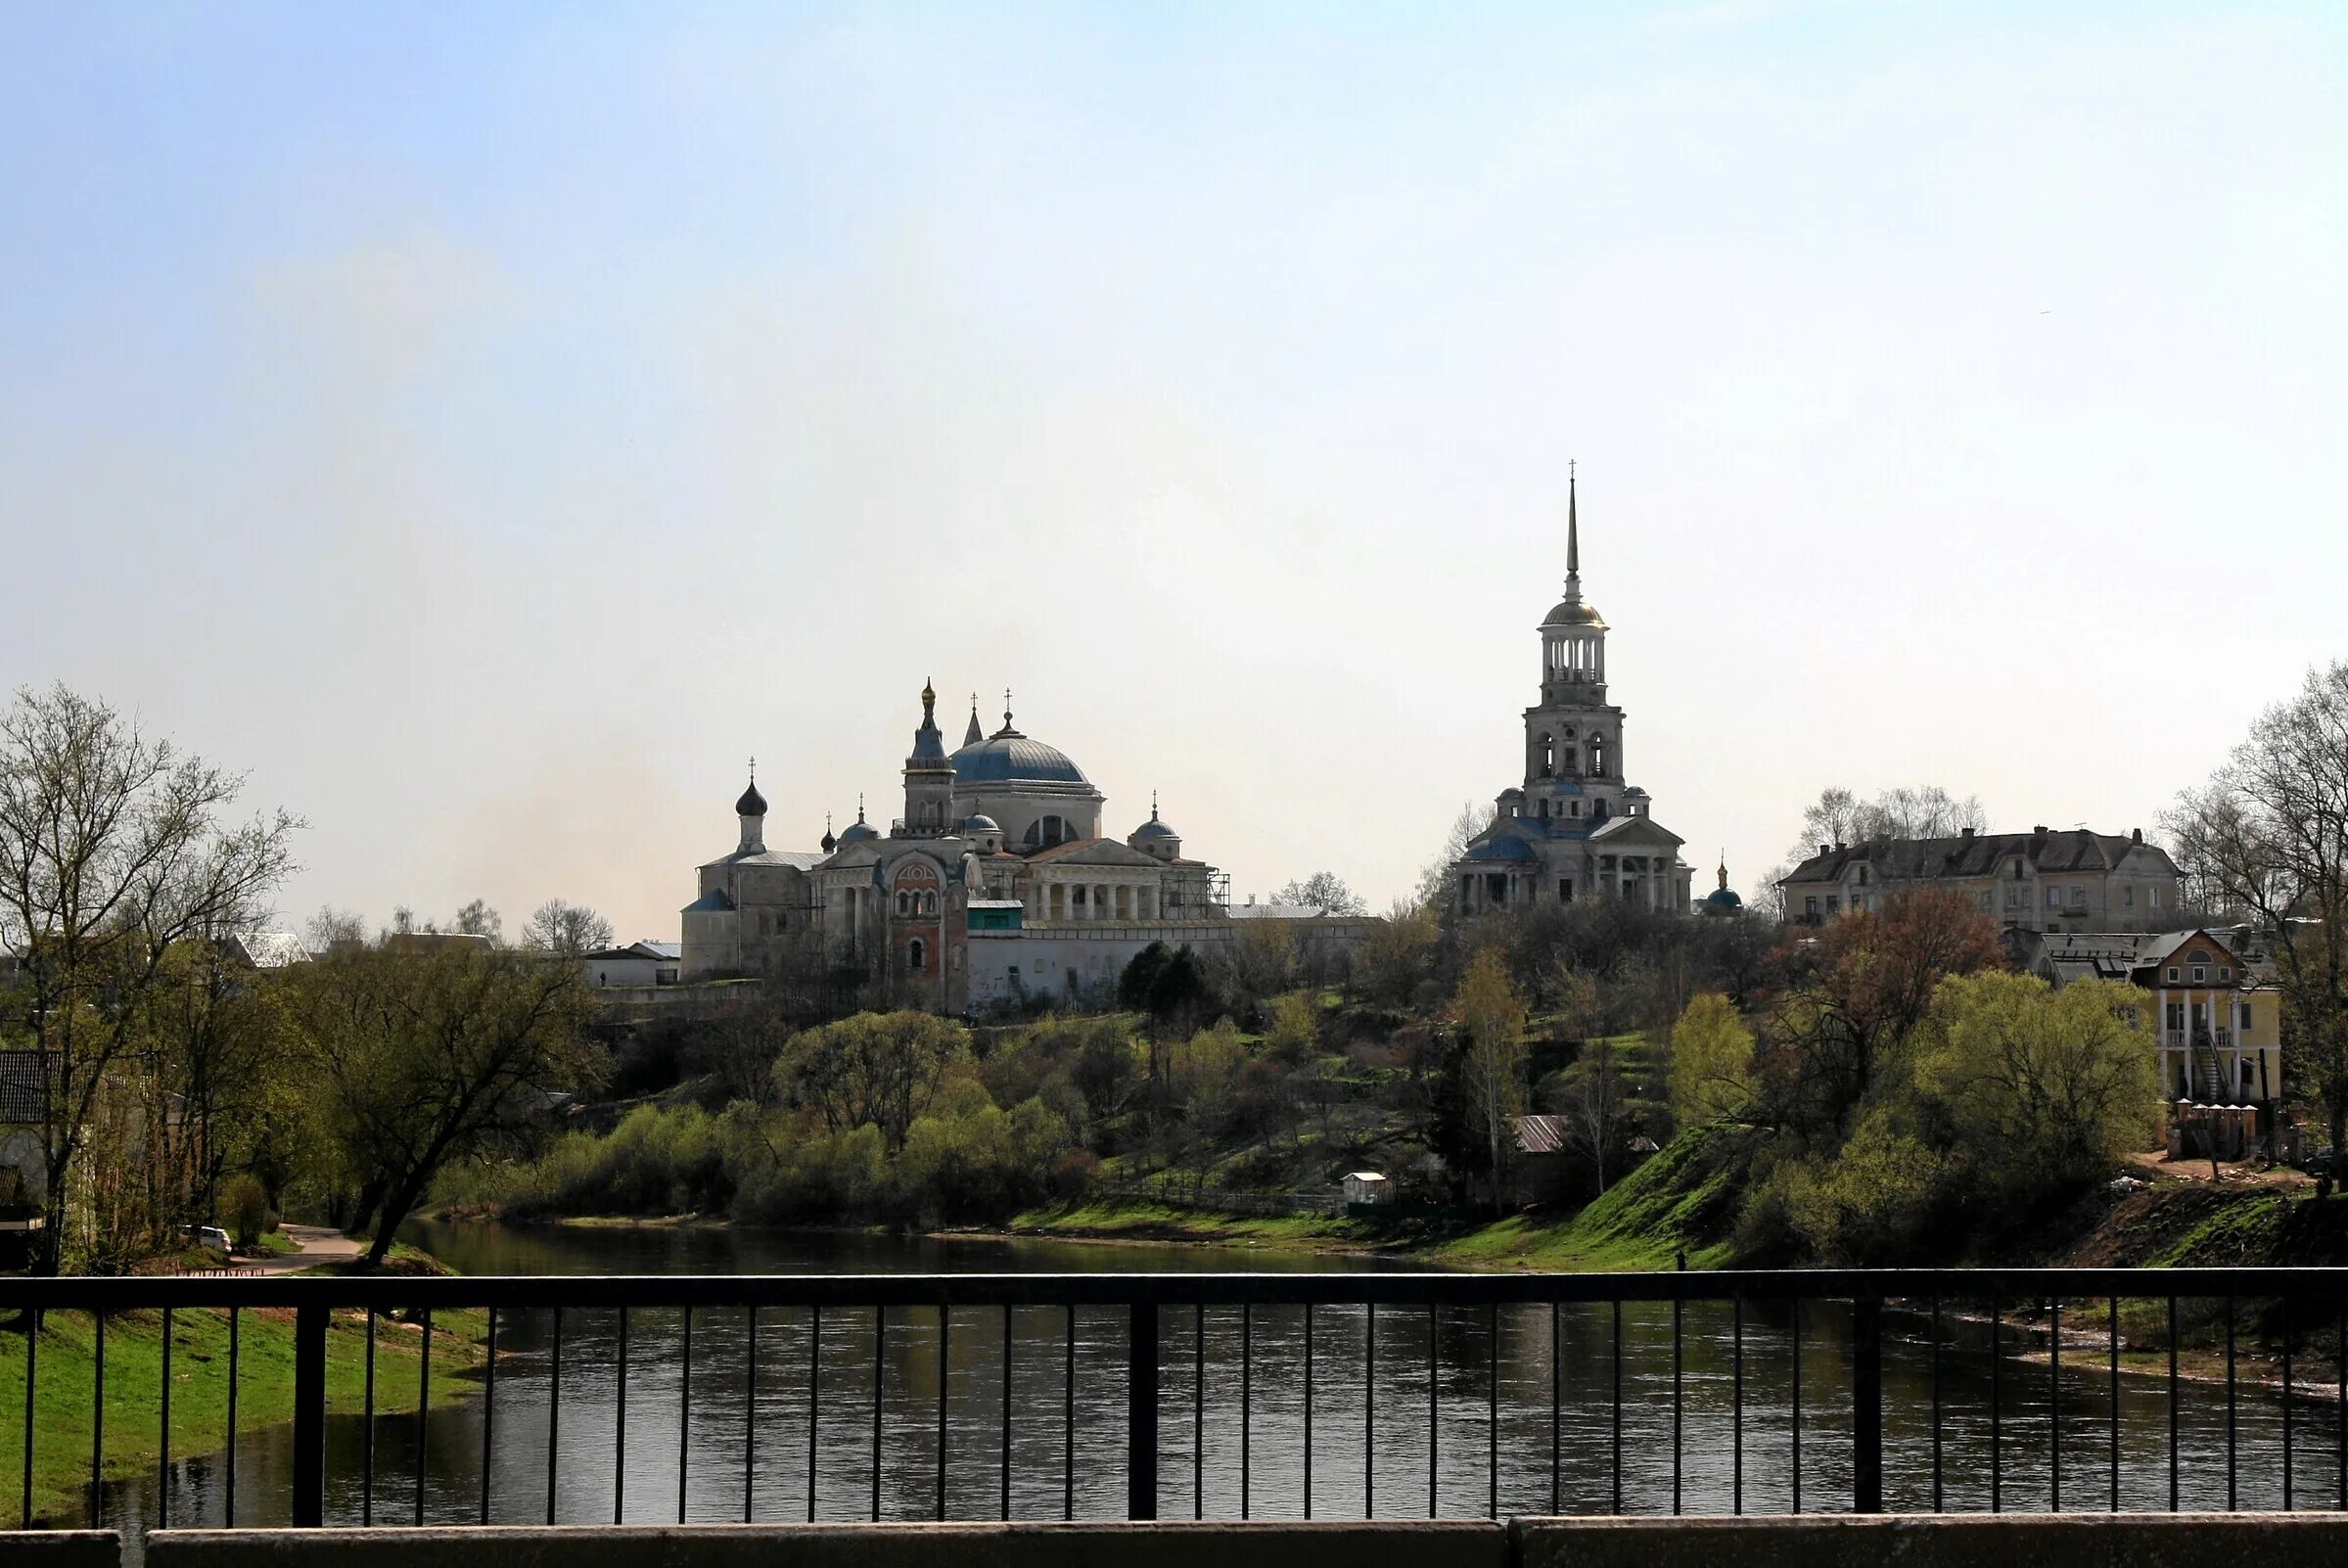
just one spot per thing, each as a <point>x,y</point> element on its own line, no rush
<point>995,884</point>
<point>1575,828</point>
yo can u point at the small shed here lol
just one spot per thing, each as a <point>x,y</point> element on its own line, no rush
<point>1367,1186</point>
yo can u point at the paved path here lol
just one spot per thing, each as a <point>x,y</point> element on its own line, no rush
<point>320,1244</point>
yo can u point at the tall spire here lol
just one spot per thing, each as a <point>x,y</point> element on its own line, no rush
<point>1573,539</point>
<point>973,735</point>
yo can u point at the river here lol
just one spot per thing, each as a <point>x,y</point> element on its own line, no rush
<point>728,1454</point>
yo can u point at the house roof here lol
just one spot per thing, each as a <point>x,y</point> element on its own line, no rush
<point>1980,855</point>
<point>714,902</point>
<point>23,1086</point>
<point>1538,1135</point>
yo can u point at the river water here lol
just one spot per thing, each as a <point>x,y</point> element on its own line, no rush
<point>736,1448</point>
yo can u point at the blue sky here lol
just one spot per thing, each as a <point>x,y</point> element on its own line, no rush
<point>488,425</point>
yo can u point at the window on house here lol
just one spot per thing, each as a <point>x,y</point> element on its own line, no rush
<point>1810,907</point>
<point>2172,974</point>
<point>2152,898</point>
<point>1565,889</point>
<point>2054,898</point>
<point>2225,973</point>
<point>1574,807</point>
<point>1833,905</point>
<point>1985,901</point>
<point>2245,1017</point>
<point>2079,898</point>
<point>2175,1016</point>
<point>2128,895</point>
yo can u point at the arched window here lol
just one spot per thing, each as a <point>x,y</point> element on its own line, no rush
<point>1549,756</point>
<point>917,955</point>
<point>1034,838</point>
<point>1598,755</point>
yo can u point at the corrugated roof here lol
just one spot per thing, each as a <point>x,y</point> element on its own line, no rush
<point>1540,1135</point>
<point>1979,854</point>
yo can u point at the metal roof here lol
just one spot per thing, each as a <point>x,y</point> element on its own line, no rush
<point>23,1089</point>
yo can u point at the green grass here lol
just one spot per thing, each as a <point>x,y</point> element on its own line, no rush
<point>66,1380</point>
<point>1112,1219</point>
<point>278,1243</point>
<point>1683,1197</point>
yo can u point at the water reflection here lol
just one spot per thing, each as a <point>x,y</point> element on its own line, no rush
<point>801,1430</point>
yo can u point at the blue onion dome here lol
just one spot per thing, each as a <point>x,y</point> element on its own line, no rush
<point>1155,829</point>
<point>981,825</point>
<point>858,831</point>
<point>1723,898</point>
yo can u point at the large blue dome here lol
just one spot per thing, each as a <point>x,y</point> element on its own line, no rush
<point>1009,758</point>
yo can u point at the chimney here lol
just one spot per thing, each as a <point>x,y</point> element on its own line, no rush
<point>1824,847</point>
<point>1969,833</point>
<point>2136,835</point>
<point>1840,844</point>
<point>2038,830</point>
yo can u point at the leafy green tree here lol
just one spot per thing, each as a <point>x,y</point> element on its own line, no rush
<point>1492,1015</point>
<point>872,1070</point>
<point>1712,1062</point>
<point>2044,1088</point>
<point>1295,1026</point>
<point>434,1055</point>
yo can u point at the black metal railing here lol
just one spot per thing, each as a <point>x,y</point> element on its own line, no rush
<point>1514,1342</point>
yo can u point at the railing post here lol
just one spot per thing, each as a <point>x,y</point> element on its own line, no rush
<point>1141,1411</point>
<point>1867,1404</point>
<point>309,1415</point>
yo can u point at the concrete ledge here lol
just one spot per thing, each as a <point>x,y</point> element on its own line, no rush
<point>1936,1541</point>
<point>61,1549</point>
<point>1347,1544</point>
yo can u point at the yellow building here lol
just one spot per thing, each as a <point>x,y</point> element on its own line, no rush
<point>2217,1020</point>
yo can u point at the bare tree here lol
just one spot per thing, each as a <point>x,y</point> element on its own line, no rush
<point>333,930</point>
<point>2268,835</point>
<point>478,919</point>
<point>569,929</point>
<point>1596,1110</point>
<point>113,848</point>
<point>1435,879</point>
<point>1929,811</point>
<point>1491,1014</point>
<point>1324,891</point>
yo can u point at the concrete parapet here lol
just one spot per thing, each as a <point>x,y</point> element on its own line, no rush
<point>1936,1541</point>
<point>1349,1544</point>
<point>61,1549</point>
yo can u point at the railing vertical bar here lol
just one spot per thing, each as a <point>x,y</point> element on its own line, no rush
<point>1492,1412</point>
<point>945,1329</point>
<point>163,1478</point>
<point>1005,1437</point>
<point>1141,1411</point>
<point>1369,1409</point>
<point>98,1424</point>
<point>684,1416</point>
<point>228,1508</point>
<point>1678,1369</point>
<point>2232,1500</point>
<point>1996,1406</point>
<point>1247,1394</point>
<point>1067,1415</point>
<point>1198,1411</point>
<point>2286,1404</point>
<point>619,1423</point>
<point>2339,1408</point>
<point>880,1343</point>
<point>423,1406</point>
<point>554,1411</point>
<point>1936,1499</point>
<point>1618,1405</point>
<point>2112,1321</point>
<point>1556,1408</point>
<point>2173,1473</point>
<point>488,1412</point>
<point>1795,1402</point>
<point>750,1413</point>
<point>31,1378</point>
<point>311,1322</point>
<point>2054,1404</point>
<point>367,1431</point>
<point>1307,1409</point>
<point>1867,1402</point>
<point>1736,1407</point>
<point>814,1398</point>
<point>1434,1413</point>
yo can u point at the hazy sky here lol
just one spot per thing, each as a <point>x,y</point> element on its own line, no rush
<point>490,425</point>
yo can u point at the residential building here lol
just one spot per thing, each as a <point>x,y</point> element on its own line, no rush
<point>2216,1010</point>
<point>2042,880</point>
<point>639,963</point>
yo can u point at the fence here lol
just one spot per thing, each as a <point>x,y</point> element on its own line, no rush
<point>2294,1306</point>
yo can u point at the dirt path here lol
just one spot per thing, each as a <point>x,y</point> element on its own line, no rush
<point>320,1244</point>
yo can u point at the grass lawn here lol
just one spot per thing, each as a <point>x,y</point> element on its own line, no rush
<point>1110,1220</point>
<point>66,1376</point>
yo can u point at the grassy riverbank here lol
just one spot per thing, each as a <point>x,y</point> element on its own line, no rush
<point>66,1379</point>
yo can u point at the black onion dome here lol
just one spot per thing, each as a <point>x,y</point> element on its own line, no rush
<point>752,804</point>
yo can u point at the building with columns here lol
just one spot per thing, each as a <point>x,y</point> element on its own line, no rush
<point>1575,828</point>
<point>995,884</point>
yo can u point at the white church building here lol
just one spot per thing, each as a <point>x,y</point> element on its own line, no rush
<point>1575,828</point>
